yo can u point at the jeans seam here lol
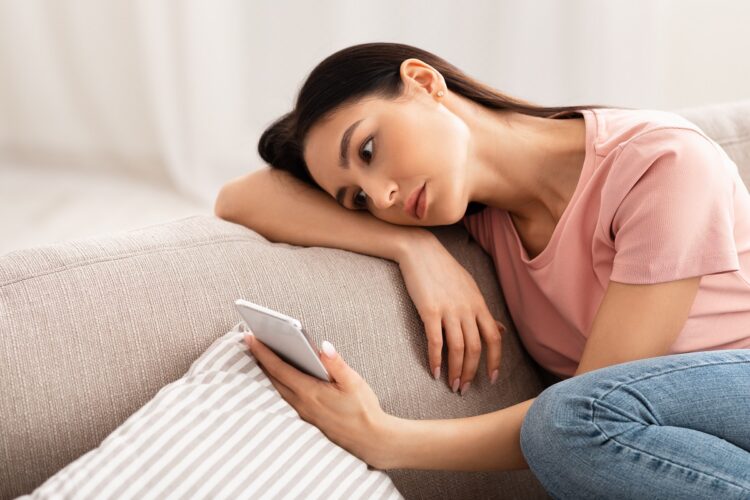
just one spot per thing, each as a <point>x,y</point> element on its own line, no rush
<point>672,370</point>
<point>646,377</point>
<point>671,462</point>
<point>596,403</point>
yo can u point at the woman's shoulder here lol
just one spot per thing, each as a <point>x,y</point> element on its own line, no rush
<point>616,127</point>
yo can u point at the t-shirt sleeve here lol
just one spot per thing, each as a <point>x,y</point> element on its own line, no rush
<point>677,219</point>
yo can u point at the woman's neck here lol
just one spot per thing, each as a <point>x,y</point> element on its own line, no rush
<point>526,165</point>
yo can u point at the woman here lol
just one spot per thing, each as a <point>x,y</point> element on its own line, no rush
<point>621,238</point>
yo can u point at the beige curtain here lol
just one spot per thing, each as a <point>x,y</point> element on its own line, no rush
<point>159,89</point>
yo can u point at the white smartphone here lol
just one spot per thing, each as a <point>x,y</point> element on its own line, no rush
<point>284,335</point>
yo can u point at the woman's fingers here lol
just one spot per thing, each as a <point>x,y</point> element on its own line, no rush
<point>284,391</point>
<point>472,350</point>
<point>492,335</point>
<point>464,340</point>
<point>454,337</point>
<point>434,334</point>
<point>291,377</point>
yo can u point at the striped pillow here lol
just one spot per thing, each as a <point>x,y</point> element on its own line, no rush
<point>221,431</point>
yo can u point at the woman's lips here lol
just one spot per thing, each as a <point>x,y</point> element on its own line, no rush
<point>422,202</point>
<point>410,208</point>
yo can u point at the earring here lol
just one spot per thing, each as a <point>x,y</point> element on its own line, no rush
<point>440,93</point>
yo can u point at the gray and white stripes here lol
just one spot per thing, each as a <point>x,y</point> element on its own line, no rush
<point>221,431</point>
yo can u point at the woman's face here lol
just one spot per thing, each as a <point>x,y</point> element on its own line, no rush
<point>395,147</point>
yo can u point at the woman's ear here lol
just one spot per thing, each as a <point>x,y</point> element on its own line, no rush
<point>417,74</point>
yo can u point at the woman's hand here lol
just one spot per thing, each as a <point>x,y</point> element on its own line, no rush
<point>345,409</point>
<point>446,296</point>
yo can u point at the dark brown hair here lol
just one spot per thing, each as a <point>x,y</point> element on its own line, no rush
<point>373,70</point>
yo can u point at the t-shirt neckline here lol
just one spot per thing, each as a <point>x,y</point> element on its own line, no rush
<point>545,256</point>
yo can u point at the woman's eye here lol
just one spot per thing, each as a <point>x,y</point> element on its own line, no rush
<point>364,199</point>
<point>362,152</point>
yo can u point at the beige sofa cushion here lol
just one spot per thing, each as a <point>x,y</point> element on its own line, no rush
<point>93,328</point>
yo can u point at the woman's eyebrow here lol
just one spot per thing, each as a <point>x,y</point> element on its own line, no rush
<point>340,196</point>
<point>346,138</point>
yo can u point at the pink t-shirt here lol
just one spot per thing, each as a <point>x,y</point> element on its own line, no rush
<point>657,200</point>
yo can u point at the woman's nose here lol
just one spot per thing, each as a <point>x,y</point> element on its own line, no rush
<point>384,195</point>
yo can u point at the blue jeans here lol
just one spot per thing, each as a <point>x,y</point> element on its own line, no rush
<point>675,426</point>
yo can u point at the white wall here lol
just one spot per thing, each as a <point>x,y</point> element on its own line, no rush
<point>180,91</point>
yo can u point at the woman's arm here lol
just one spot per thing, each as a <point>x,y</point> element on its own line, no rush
<point>491,441</point>
<point>282,208</point>
<point>633,322</point>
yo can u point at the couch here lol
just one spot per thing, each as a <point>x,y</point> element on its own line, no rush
<point>92,328</point>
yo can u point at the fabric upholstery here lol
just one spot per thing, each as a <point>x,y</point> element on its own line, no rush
<point>94,328</point>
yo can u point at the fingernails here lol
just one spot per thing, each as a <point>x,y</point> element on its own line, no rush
<point>249,337</point>
<point>465,387</point>
<point>455,384</point>
<point>436,372</point>
<point>493,378</point>
<point>328,349</point>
